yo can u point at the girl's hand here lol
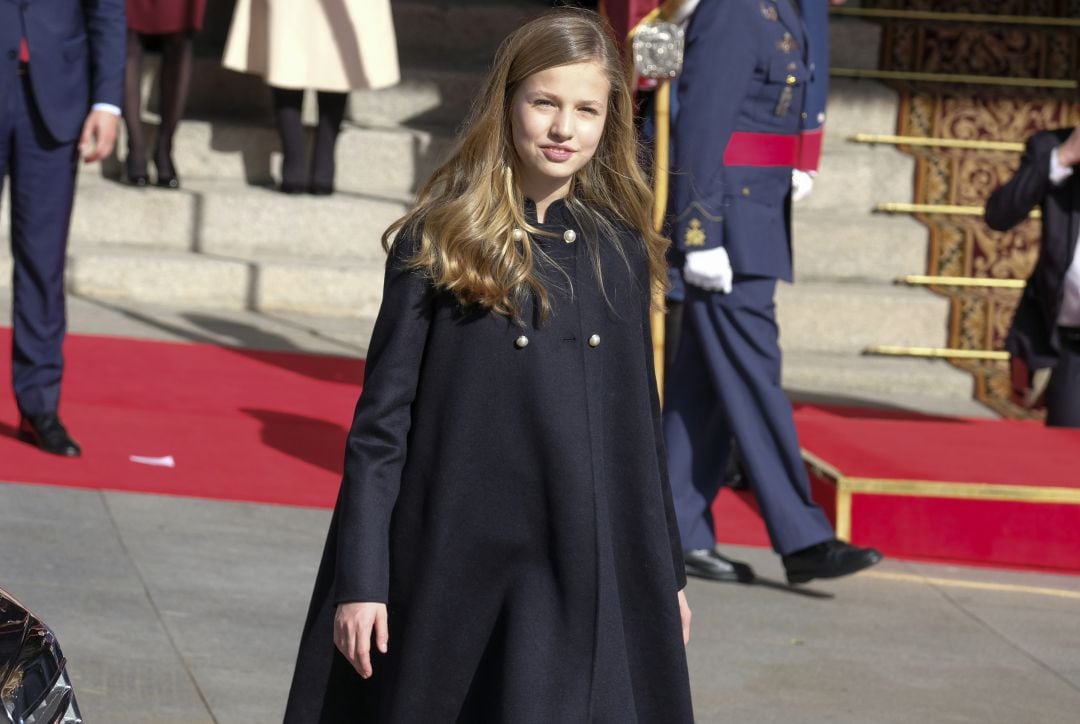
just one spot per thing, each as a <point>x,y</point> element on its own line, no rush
<point>684,613</point>
<point>354,624</point>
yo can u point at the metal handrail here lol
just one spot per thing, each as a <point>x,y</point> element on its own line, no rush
<point>897,207</point>
<point>942,16</point>
<point>886,350</point>
<point>923,280</point>
<point>876,138</point>
<point>923,77</point>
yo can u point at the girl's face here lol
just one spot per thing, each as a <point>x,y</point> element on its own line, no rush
<point>557,118</point>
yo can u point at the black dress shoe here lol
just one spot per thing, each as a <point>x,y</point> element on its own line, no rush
<point>317,189</point>
<point>293,187</point>
<point>48,433</point>
<point>709,563</point>
<point>830,559</point>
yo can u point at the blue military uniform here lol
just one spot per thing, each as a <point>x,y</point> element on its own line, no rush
<point>738,135</point>
<point>815,15</point>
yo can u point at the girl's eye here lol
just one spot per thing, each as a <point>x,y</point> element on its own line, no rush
<point>590,110</point>
<point>542,102</point>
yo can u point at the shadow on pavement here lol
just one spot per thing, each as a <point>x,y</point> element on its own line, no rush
<point>788,588</point>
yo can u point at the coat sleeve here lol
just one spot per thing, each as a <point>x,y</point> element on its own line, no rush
<point>719,61</point>
<point>377,444</point>
<point>1011,203</point>
<point>106,25</point>
<point>658,429</point>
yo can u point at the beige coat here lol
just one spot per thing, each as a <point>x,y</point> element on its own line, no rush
<point>329,45</point>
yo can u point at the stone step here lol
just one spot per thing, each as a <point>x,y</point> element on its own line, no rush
<point>437,95</point>
<point>186,279</point>
<point>230,219</point>
<point>831,246</point>
<point>369,160</point>
<point>467,32</point>
<point>847,317</point>
<point>855,374</point>
<point>854,178</point>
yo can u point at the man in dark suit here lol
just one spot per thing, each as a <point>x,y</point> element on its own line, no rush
<point>1045,332</point>
<point>737,137</point>
<point>61,86</point>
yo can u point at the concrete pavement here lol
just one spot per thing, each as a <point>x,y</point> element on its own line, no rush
<point>186,610</point>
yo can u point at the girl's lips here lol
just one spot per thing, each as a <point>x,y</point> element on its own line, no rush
<point>556,153</point>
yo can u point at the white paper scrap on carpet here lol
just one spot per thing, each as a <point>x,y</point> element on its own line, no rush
<point>161,462</point>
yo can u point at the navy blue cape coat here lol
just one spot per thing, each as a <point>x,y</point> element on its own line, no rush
<point>510,504</point>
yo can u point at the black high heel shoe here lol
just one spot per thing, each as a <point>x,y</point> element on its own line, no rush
<point>168,179</point>
<point>133,177</point>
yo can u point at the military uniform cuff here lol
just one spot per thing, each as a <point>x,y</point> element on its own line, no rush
<point>697,232</point>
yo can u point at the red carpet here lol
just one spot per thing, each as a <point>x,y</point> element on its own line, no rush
<point>240,424</point>
<point>269,427</point>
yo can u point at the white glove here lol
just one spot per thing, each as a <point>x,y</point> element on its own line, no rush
<point>802,183</point>
<point>709,269</point>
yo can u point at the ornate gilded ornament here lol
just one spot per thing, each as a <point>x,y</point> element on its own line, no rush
<point>695,235</point>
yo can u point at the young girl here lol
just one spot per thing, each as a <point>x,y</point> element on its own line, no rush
<point>504,547</point>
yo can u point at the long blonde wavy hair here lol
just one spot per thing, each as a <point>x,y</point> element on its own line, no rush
<point>466,212</point>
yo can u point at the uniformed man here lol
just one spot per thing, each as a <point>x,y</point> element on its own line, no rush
<point>738,136</point>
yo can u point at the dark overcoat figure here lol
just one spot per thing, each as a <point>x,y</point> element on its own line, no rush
<point>57,58</point>
<point>505,494</point>
<point>737,138</point>
<point>1037,336</point>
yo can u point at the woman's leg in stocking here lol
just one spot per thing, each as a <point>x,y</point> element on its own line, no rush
<point>175,82</point>
<point>287,106</point>
<point>331,113</point>
<point>135,164</point>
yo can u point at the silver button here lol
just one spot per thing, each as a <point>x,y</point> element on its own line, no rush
<point>569,236</point>
<point>594,341</point>
<point>521,342</point>
<point>518,234</point>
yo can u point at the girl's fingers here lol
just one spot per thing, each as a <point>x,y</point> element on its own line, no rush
<point>363,649</point>
<point>382,631</point>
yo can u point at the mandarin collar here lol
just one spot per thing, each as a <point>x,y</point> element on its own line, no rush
<point>558,214</point>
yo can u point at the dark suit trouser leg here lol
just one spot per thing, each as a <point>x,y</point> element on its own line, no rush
<point>1063,392</point>
<point>42,176</point>
<point>736,336</point>
<point>696,436</point>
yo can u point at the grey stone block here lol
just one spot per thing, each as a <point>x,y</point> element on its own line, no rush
<point>870,379</point>
<point>839,246</point>
<point>468,33</point>
<point>854,43</point>
<point>229,219</point>
<point>426,96</point>
<point>159,277</point>
<point>257,222</point>
<point>848,317</point>
<point>368,160</point>
<point>111,214</point>
<point>860,106</point>
<point>341,290</point>
<point>855,177</point>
